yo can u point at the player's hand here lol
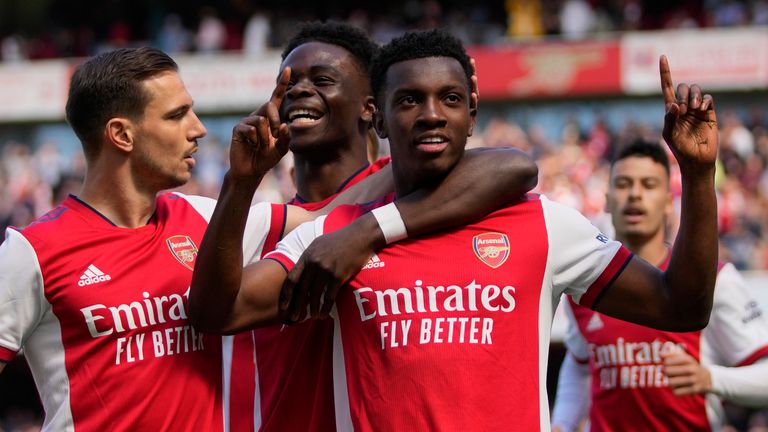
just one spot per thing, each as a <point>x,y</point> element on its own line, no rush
<point>259,141</point>
<point>324,267</point>
<point>690,123</point>
<point>686,376</point>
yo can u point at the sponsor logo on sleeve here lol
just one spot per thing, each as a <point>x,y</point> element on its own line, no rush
<point>183,249</point>
<point>602,237</point>
<point>492,248</point>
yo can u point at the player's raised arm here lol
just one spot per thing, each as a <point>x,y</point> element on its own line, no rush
<point>679,299</point>
<point>256,146</point>
<point>484,180</point>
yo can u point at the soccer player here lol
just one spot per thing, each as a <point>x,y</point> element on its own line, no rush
<point>327,108</point>
<point>651,380</point>
<point>450,331</point>
<point>95,291</point>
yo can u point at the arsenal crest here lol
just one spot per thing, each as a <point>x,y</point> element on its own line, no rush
<point>491,248</point>
<point>183,248</point>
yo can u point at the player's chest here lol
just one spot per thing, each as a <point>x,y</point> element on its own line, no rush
<point>468,288</point>
<point>124,282</point>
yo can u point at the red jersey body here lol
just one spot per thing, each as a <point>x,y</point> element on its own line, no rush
<point>451,331</point>
<point>294,387</point>
<point>101,313</point>
<point>629,388</point>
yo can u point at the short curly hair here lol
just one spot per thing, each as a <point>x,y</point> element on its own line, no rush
<point>416,45</point>
<point>349,37</point>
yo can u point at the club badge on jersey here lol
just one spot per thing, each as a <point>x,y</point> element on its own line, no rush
<point>492,248</point>
<point>183,249</point>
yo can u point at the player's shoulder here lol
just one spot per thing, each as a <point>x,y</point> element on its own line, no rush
<point>175,203</point>
<point>344,214</point>
<point>729,280</point>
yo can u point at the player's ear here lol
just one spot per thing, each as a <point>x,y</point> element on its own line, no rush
<point>369,109</point>
<point>119,131</point>
<point>472,118</point>
<point>380,124</point>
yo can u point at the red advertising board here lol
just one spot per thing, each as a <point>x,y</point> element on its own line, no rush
<point>559,69</point>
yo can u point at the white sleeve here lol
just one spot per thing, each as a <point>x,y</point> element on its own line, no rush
<point>580,256</point>
<point>572,398</point>
<point>744,385</point>
<point>262,219</point>
<point>294,244</point>
<point>738,328</point>
<point>22,300</point>
<point>574,341</point>
<point>738,337</point>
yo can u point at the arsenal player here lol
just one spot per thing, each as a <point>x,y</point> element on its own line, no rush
<point>95,292</point>
<point>452,332</point>
<point>327,108</point>
<point>650,380</point>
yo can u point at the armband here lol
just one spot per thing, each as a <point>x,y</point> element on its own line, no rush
<point>390,223</point>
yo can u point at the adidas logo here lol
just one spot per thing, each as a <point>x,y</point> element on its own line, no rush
<point>595,323</point>
<point>374,262</point>
<point>93,275</point>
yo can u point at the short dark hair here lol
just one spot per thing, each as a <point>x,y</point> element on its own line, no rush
<point>416,45</point>
<point>643,148</point>
<point>347,36</point>
<point>110,85</point>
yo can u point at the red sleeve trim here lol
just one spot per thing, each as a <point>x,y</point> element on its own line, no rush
<point>6,355</point>
<point>611,272</point>
<point>755,356</point>
<point>278,219</point>
<point>281,259</point>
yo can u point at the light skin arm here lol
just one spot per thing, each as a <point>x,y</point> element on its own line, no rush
<point>744,385</point>
<point>680,298</point>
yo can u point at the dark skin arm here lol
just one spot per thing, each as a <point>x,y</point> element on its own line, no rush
<point>483,181</point>
<point>226,298</point>
<point>680,298</point>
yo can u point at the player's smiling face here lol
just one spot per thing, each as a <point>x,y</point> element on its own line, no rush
<point>167,133</point>
<point>328,99</point>
<point>638,197</point>
<point>426,116</point>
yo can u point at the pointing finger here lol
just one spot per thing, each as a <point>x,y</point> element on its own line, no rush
<point>667,88</point>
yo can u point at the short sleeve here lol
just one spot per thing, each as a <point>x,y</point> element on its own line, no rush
<point>22,300</point>
<point>294,244</point>
<point>583,260</point>
<point>263,228</point>
<point>738,327</point>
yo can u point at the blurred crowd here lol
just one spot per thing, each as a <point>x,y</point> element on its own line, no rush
<point>75,28</point>
<point>573,170</point>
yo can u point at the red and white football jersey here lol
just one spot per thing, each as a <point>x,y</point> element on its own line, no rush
<point>293,390</point>
<point>629,387</point>
<point>101,314</point>
<point>451,331</point>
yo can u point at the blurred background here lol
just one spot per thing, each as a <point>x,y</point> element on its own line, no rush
<point>569,81</point>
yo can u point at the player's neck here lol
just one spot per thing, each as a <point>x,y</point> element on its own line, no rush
<point>123,203</point>
<point>652,249</point>
<point>316,180</point>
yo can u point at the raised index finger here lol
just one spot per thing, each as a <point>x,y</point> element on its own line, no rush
<point>667,89</point>
<point>282,86</point>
